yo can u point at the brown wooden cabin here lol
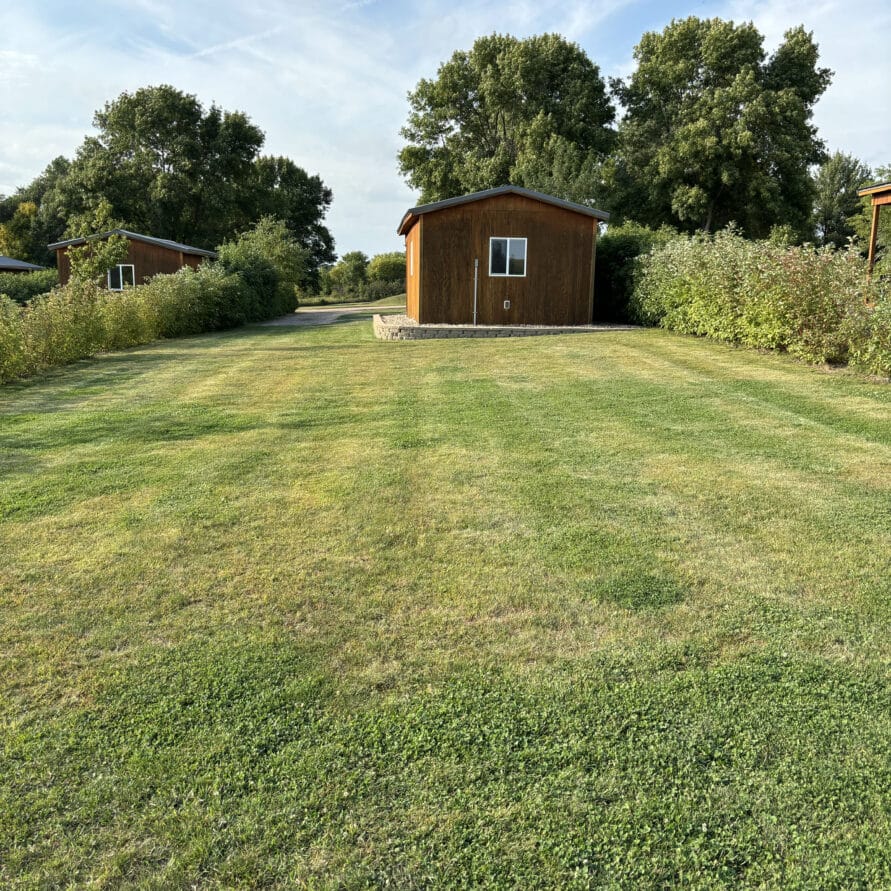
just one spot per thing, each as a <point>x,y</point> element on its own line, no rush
<point>10,264</point>
<point>146,256</point>
<point>879,195</point>
<point>528,257</point>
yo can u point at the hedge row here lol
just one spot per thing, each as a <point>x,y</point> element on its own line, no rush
<point>24,286</point>
<point>82,318</point>
<point>815,304</point>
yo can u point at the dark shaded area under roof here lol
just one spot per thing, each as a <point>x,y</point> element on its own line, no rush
<point>136,236</point>
<point>10,264</point>
<point>501,190</point>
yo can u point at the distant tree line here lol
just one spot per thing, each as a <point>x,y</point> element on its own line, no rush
<point>709,129</point>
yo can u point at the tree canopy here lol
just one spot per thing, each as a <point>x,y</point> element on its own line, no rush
<point>531,112</point>
<point>167,166</point>
<point>715,131</point>
<point>835,197</point>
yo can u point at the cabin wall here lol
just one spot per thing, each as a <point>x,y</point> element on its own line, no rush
<point>413,269</point>
<point>557,288</point>
<point>147,260</point>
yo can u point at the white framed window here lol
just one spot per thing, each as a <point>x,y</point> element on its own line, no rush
<point>507,257</point>
<point>121,276</point>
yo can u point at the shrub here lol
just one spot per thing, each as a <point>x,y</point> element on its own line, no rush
<point>871,337</point>
<point>617,253</point>
<point>23,286</point>
<point>254,281</point>
<point>13,353</point>
<point>808,302</point>
<point>273,266</point>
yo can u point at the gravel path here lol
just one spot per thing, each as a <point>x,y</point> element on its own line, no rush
<point>325,315</point>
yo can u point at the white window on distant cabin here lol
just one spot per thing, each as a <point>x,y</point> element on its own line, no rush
<point>507,257</point>
<point>121,276</point>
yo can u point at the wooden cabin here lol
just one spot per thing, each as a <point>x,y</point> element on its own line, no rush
<point>505,256</point>
<point>879,195</point>
<point>146,256</point>
<point>10,264</point>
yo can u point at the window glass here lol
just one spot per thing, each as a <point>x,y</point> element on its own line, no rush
<point>498,256</point>
<point>114,278</point>
<point>128,276</point>
<point>517,255</point>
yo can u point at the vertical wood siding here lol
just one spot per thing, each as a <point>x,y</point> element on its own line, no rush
<point>147,260</point>
<point>557,288</point>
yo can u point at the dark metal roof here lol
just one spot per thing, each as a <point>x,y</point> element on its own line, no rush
<point>10,264</point>
<point>135,236</point>
<point>878,187</point>
<point>410,215</point>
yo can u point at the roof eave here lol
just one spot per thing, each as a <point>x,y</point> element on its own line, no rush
<point>413,213</point>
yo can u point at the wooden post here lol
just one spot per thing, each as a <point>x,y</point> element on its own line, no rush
<point>873,236</point>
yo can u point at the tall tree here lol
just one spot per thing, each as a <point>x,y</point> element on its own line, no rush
<point>836,203</point>
<point>166,166</point>
<point>287,192</point>
<point>714,131</point>
<point>32,231</point>
<point>531,112</point>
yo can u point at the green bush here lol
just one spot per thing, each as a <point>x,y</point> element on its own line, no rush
<point>811,303</point>
<point>13,353</point>
<point>23,286</point>
<point>871,337</point>
<point>254,280</point>
<point>617,253</point>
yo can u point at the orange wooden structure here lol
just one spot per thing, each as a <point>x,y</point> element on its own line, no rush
<point>146,256</point>
<point>505,256</point>
<point>879,195</point>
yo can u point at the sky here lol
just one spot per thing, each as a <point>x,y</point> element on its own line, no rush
<point>326,80</point>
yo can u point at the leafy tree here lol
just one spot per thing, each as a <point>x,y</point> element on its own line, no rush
<point>386,275</point>
<point>42,228</point>
<point>268,245</point>
<point>387,267</point>
<point>287,192</point>
<point>531,112</point>
<point>17,235</point>
<point>91,261</point>
<point>167,166</point>
<point>715,131</point>
<point>347,279</point>
<point>836,203</point>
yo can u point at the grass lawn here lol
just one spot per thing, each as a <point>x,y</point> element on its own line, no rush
<point>289,607</point>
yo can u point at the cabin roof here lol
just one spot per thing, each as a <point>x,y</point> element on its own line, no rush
<point>10,264</point>
<point>411,215</point>
<point>136,236</point>
<point>873,190</point>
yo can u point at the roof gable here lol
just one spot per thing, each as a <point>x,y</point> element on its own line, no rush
<point>411,215</point>
<point>136,236</point>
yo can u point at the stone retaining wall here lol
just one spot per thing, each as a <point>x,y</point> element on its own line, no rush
<point>401,327</point>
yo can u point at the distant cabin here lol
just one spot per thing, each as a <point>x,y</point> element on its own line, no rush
<point>146,256</point>
<point>9,264</point>
<point>521,257</point>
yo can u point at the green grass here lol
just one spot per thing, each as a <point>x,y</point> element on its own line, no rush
<point>291,607</point>
<point>397,300</point>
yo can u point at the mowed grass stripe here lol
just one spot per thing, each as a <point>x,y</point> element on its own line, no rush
<point>294,607</point>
